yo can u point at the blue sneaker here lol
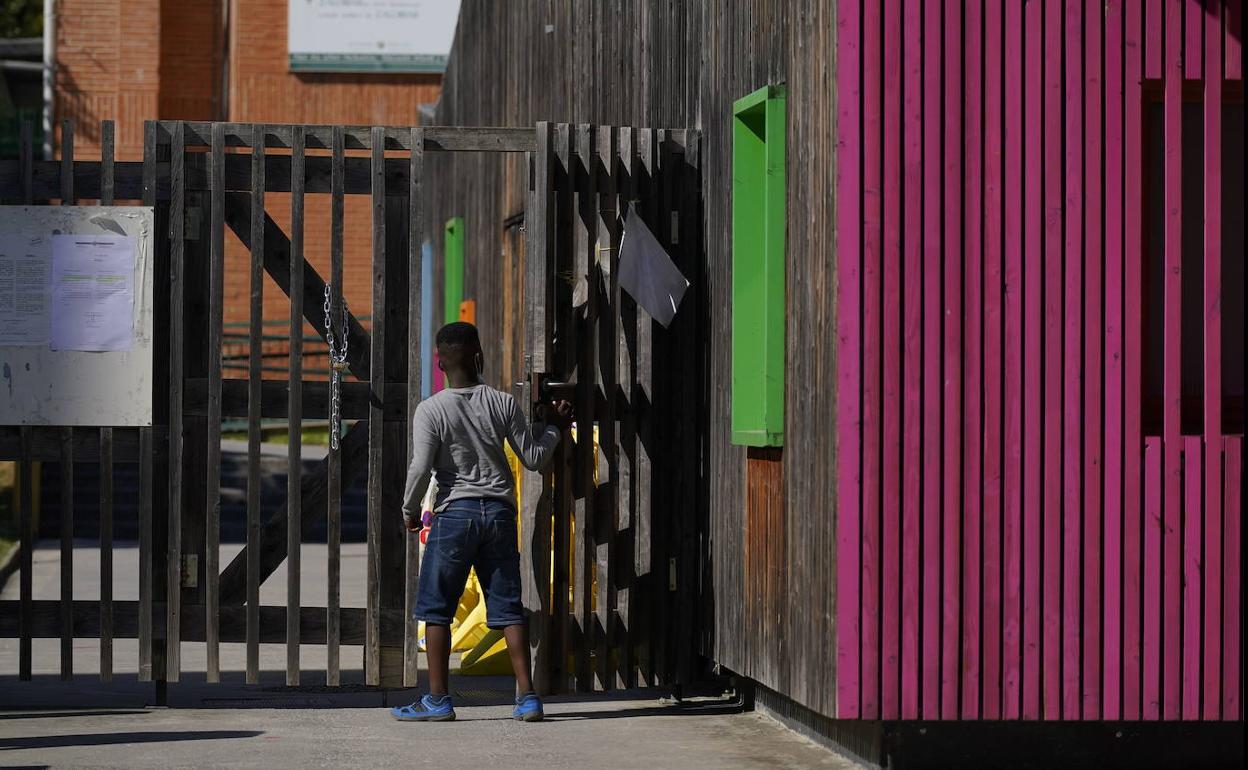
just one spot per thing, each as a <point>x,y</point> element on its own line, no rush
<point>528,708</point>
<point>430,708</point>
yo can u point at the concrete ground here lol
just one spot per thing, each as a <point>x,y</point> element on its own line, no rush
<point>84,723</point>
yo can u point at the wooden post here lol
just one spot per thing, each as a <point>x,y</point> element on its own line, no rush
<point>255,361</point>
<point>372,645</point>
<point>216,299</point>
<point>68,198</point>
<point>294,416</point>
<point>334,491</point>
<point>107,133</point>
<point>415,238</point>
<point>177,342</point>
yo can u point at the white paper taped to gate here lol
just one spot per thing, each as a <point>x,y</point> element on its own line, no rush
<point>92,292</point>
<point>76,304</point>
<point>23,291</point>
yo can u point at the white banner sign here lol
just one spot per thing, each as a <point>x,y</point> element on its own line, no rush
<point>371,35</point>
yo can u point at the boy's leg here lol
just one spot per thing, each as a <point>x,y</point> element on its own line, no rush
<point>517,636</point>
<point>438,654</point>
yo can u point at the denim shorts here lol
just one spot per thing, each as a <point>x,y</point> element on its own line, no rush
<point>478,534</point>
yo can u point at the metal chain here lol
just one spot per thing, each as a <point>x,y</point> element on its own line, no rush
<point>337,365</point>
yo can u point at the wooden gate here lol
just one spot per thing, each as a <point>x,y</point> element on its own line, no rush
<point>625,568</point>
<point>201,178</point>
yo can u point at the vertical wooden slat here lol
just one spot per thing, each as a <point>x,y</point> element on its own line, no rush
<point>1132,331</point>
<point>890,567</point>
<point>1111,648</point>
<point>177,270</point>
<point>1053,206</point>
<point>1193,480</point>
<point>1212,314</point>
<point>148,668</point>
<point>1234,40</point>
<point>68,198</point>
<point>912,369</point>
<point>932,314</point>
<point>583,550</point>
<point>216,293</point>
<point>972,361</point>
<point>294,413</point>
<point>1153,510</point>
<point>848,304</point>
<point>624,320</point>
<point>255,361</point>
<point>1232,587</point>
<point>642,401</point>
<point>872,60</point>
<point>334,459</point>
<point>1172,360</point>
<point>1093,226</point>
<point>27,524</point>
<point>145,555</point>
<point>107,135</point>
<point>106,554</point>
<point>1072,360</point>
<point>1024,137</point>
<point>535,554</point>
<point>372,628</point>
<point>1153,38</point>
<point>415,386</point>
<point>561,323</point>
<point>27,544</point>
<point>1193,27</point>
<point>952,390</point>
<point>1002,294</point>
<point>605,381</point>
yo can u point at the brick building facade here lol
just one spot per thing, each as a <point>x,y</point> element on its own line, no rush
<point>133,60</point>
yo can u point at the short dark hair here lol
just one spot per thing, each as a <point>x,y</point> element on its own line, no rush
<point>458,334</point>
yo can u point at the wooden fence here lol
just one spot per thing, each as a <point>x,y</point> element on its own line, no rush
<point>625,558</point>
<point>611,568</point>
<point>1013,541</point>
<point>201,178</point>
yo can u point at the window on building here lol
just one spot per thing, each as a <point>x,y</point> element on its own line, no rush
<point>758,222</point>
<point>1193,261</point>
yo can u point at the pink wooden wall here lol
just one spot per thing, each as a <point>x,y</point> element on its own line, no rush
<point>1010,545</point>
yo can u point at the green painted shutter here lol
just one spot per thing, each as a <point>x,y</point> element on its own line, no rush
<point>453,264</point>
<point>758,224</point>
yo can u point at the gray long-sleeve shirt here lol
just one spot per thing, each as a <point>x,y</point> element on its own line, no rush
<point>458,433</point>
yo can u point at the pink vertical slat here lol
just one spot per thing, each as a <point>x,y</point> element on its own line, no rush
<point>1153,511</point>
<point>1234,39</point>
<point>1111,669</point>
<point>1232,560</point>
<point>848,228</point>
<point>1093,330</point>
<point>1132,436</point>
<point>1029,154</point>
<point>912,497</point>
<point>1052,638</point>
<point>972,342</point>
<point>1072,389</point>
<point>932,448</point>
<point>993,365</point>
<point>1192,515</point>
<point>1193,27</point>
<point>1172,391</point>
<point>1154,39</point>
<point>1213,361</point>
<point>890,690</point>
<point>872,61</point>
<point>951,578</point>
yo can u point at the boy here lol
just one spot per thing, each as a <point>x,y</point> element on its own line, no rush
<point>459,434</point>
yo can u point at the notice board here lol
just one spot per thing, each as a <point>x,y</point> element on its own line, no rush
<point>76,315</point>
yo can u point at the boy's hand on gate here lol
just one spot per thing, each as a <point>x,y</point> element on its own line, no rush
<point>412,523</point>
<point>560,414</point>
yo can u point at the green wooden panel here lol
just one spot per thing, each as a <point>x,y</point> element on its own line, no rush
<point>758,231</point>
<point>453,286</point>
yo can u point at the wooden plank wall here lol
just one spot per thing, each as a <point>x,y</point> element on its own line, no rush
<point>681,65</point>
<point>1011,544</point>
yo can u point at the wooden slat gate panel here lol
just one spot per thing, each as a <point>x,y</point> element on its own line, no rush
<point>620,556</point>
<point>202,179</point>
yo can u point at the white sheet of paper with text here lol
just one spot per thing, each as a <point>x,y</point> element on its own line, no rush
<point>24,289</point>
<point>92,292</point>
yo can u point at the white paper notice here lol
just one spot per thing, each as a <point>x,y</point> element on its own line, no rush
<point>92,292</point>
<point>23,290</point>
